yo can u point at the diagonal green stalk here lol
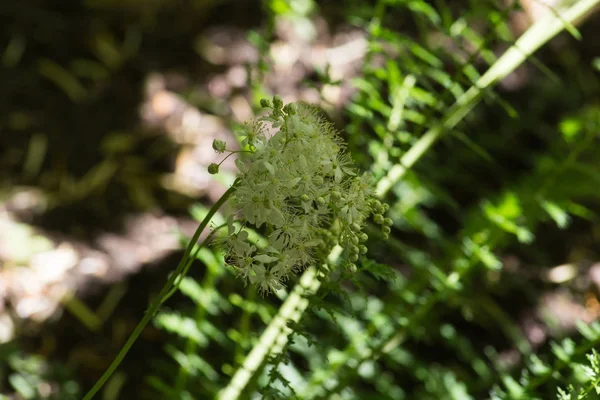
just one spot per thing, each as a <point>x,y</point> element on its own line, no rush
<point>179,272</point>
<point>534,38</point>
<point>276,334</point>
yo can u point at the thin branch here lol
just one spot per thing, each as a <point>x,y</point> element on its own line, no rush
<point>178,273</point>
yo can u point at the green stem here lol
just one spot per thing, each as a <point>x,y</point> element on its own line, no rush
<point>188,256</point>
<point>535,37</point>
<point>275,336</point>
<point>189,262</point>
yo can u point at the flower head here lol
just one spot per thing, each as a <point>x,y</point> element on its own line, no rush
<point>301,187</point>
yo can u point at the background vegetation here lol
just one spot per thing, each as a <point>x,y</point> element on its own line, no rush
<point>488,285</point>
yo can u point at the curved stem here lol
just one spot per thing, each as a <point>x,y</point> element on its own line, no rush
<point>186,259</point>
<point>189,262</point>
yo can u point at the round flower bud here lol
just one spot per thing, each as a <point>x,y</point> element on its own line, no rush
<point>362,249</point>
<point>386,230</point>
<point>290,109</point>
<point>363,237</point>
<point>355,227</point>
<point>376,204</point>
<point>351,268</point>
<point>335,195</point>
<point>353,257</point>
<point>318,180</point>
<point>304,197</point>
<point>354,239</point>
<point>378,218</point>
<point>321,200</point>
<point>386,207</point>
<point>213,169</point>
<point>218,145</point>
<point>265,103</point>
<point>277,102</point>
<point>388,222</point>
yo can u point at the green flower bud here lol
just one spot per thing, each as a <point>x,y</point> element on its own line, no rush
<point>353,257</point>
<point>388,222</point>
<point>355,227</point>
<point>265,103</point>
<point>305,198</point>
<point>362,249</point>
<point>386,207</point>
<point>321,200</point>
<point>363,237</point>
<point>354,239</point>
<point>213,169</point>
<point>386,230</point>
<point>277,102</point>
<point>219,145</point>
<point>290,109</point>
<point>335,195</point>
<point>351,268</point>
<point>378,218</point>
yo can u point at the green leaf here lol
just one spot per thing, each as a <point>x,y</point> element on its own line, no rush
<point>558,214</point>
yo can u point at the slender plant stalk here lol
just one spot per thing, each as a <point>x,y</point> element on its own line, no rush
<point>276,334</point>
<point>187,258</point>
<point>534,38</point>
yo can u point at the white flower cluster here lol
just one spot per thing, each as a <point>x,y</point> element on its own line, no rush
<point>302,189</point>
